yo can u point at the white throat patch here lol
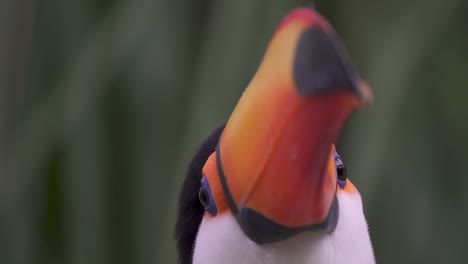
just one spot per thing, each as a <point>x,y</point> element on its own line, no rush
<point>220,240</point>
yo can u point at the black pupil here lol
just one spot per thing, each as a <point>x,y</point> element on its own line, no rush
<point>204,198</point>
<point>341,171</point>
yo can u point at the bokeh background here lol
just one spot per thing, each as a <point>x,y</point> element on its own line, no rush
<point>102,104</point>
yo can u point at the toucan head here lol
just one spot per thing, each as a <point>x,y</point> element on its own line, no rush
<point>274,166</point>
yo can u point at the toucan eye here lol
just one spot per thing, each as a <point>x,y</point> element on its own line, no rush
<point>340,171</point>
<point>206,197</point>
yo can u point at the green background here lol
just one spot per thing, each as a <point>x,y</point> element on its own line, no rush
<point>102,104</point>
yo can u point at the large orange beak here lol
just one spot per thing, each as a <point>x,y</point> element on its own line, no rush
<point>274,157</point>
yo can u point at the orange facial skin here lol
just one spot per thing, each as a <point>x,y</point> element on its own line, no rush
<point>211,173</point>
<point>348,188</point>
<point>276,151</point>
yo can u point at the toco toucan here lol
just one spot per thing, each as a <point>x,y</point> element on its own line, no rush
<point>268,185</point>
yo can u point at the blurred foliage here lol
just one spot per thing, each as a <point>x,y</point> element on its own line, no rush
<point>102,104</point>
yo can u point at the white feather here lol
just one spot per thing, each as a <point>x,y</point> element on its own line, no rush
<point>220,240</point>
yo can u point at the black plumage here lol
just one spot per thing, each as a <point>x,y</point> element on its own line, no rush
<point>190,210</point>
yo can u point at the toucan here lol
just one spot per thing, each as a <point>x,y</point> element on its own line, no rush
<point>268,186</point>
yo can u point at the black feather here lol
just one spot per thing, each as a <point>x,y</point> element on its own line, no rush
<point>190,210</point>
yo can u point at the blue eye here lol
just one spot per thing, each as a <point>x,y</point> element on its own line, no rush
<point>206,197</point>
<point>340,171</point>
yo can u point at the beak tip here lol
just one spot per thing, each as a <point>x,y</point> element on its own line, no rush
<point>366,97</point>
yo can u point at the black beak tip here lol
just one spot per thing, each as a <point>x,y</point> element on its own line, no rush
<point>321,64</point>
